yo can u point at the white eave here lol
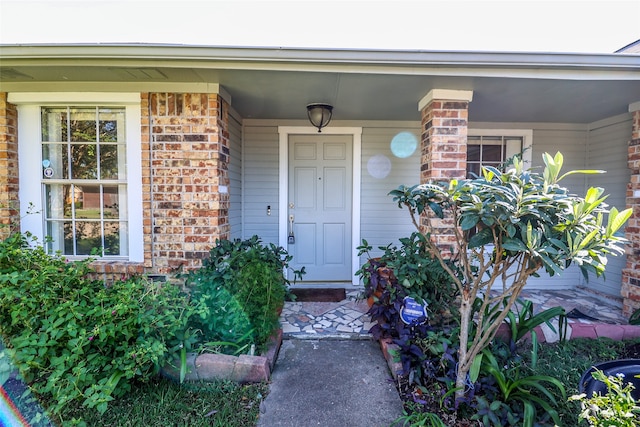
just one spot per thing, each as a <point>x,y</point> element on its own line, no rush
<point>413,62</point>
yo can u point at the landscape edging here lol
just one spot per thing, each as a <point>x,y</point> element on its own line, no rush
<point>241,369</point>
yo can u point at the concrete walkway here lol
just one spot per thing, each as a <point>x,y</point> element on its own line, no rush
<point>330,382</point>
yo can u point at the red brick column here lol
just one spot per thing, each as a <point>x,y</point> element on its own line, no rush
<point>9,203</point>
<point>443,146</point>
<point>186,191</point>
<point>631,274</point>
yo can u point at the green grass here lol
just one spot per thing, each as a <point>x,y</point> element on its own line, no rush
<point>224,403</point>
<point>568,361</point>
<point>164,403</point>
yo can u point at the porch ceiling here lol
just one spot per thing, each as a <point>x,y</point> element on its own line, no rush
<point>361,85</point>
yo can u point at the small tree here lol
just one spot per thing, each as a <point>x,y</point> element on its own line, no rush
<point>507,226</point>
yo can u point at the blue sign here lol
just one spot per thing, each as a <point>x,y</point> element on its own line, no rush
<point>412,312</point>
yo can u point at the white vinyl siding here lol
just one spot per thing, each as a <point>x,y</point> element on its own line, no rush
<point>607,150</point>
<point>260,182</point>
<point>235,177</point>
<point>382,222</point>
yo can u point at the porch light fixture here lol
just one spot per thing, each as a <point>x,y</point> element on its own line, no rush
<point>319,114</point>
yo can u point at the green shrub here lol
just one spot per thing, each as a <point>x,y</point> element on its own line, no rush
<point>410,270</point>
<point>222,322</point>
<point>253,274</point>
<point>71,337</point>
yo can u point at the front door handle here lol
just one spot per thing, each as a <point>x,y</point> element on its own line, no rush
<point>292,238</point>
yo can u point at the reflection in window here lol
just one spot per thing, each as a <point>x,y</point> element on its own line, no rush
<point>84,180</point>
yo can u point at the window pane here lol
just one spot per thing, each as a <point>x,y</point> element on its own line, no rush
<point>108,161</point>
<point>88,202</point>
<point>84,161</point>
<point>54,124</point>
<point>111,202</point>
<point>88,237</point>
<point>115,234</point>
<point>60,235</point>
<point>122,201</point>
<point>491,153</point>
<point>473,153</point>
<point>82,125</point>
<point>58,201</point>
<point>473,170</point>
<point>53,161</point>
<point>108,131</point>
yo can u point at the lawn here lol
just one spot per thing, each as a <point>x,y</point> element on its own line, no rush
<point>161,403</point>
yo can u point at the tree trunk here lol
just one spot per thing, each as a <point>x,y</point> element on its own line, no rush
<point>462,369</point>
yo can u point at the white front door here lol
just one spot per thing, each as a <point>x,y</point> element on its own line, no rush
<point>319,206</point>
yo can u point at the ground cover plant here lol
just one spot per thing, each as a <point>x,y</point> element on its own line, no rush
<point>78,341</point>
<point>565,361</point>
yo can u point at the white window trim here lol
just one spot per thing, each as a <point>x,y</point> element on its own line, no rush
<point>30,157</point>
<point>525,134</point>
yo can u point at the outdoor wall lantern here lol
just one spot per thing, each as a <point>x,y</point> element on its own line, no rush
<point>319,115</point>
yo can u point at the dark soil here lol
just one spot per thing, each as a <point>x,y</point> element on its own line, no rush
<point>630,351</point>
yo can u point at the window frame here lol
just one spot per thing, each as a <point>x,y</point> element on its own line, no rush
<point>525,134</point>
<point>30,159</point>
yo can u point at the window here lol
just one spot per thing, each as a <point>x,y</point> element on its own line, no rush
<point>494,148</point>
<point>81,172</point>
<point>84,180</point>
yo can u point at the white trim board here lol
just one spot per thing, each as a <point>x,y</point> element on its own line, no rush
<point>283,183</point>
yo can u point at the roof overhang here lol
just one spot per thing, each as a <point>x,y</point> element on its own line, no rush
<point>277,83</point>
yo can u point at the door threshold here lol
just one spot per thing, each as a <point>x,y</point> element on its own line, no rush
<point>324,285</point>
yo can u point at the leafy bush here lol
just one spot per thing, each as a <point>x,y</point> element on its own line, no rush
<point>408,270</point>
<point>221,321</point>
<point>73,338</point>
<point>253,274</point>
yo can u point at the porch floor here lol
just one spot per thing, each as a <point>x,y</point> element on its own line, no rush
<point>348,318</point>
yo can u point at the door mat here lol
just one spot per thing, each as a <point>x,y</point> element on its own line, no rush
<point>319,295</point>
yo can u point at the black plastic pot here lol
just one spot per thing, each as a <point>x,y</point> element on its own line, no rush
<point>628,367</point>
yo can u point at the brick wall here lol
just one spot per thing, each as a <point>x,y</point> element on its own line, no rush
<point>631,274</point>
<point>9,203</point>
<point>443,154</point>
<point>185,178</point>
